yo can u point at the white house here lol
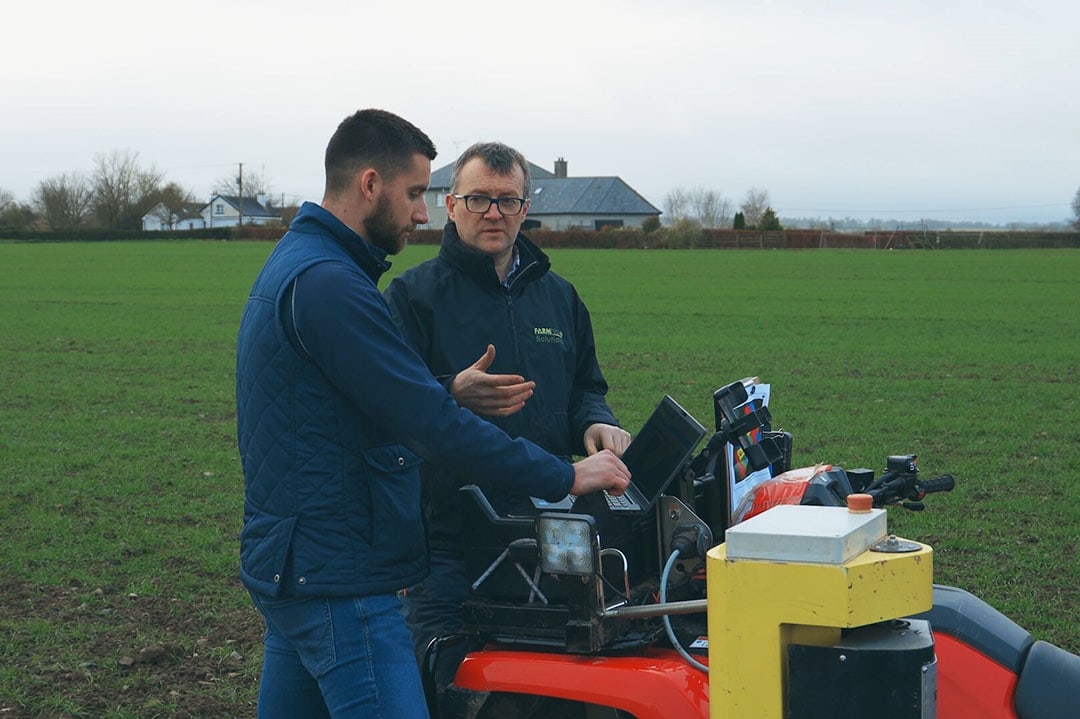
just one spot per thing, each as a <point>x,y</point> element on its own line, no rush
<point>186,217</point>
<point>227,211</point>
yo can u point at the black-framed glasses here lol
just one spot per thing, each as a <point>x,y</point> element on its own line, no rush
<point>480,204</point>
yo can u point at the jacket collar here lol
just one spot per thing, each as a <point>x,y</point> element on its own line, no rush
<point>481,267</point>
<point>316,220</point>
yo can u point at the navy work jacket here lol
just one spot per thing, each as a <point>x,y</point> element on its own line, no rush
<point>452,306</point>
<point>335,412</point>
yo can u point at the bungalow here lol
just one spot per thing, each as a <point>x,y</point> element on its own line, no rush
<point>559,202</point>
<point>221,211</point>
<point>228,211</point>
<point>187,216</point>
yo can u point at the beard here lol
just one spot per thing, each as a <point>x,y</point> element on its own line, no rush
<point>381,230</point>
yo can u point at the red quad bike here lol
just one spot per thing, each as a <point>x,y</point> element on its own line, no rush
<point>582,613</point>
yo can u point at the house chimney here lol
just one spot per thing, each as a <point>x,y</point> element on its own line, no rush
<point>560,168</point>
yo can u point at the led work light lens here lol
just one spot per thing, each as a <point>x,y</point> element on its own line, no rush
<point>566,545</point>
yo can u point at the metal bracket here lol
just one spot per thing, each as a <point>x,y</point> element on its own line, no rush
<point>894,545</point>
<point>674,515</point>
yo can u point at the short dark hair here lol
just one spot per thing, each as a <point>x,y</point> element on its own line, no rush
<point>497,156</point>
<point>373,138</point>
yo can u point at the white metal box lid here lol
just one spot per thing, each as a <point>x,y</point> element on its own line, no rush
<point>795,533</point>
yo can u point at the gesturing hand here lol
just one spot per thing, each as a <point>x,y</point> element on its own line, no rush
<point>496,395</point>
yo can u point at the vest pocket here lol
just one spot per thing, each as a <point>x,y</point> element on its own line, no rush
<point>397,531</point>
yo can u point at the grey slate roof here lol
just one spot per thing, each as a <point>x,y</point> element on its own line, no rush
<point>440,179</point>
<point>587,196</point>
<point>189,211</point>
<point>570,195</point>
<point>252,207</point>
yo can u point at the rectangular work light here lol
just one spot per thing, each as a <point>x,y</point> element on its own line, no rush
<point>568,544</point>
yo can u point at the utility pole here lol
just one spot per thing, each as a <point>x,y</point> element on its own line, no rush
<point>240,184</point>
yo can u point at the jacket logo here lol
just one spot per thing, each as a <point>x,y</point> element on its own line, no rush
<point>547,334</point>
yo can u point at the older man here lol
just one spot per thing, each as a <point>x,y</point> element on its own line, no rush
<point>512,341</point>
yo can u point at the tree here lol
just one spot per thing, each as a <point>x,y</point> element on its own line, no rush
<point>684,233</point>
<point>122,190</point>
<point>167,202</point>
<point>255,184</point>
<point>769,221</point>
<point>1076,209</point>
<point>17,216</point>
<point>753,206</point>
<point>705,208</point>
<point>740,221</point>
<point>64,200</point>
<point>709,207</point>
<point>288,213</point>
<point>12,214</point>
<point>675,205</point>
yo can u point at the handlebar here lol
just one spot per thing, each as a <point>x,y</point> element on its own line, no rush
<point>902,486</point>
<point>944,483</point>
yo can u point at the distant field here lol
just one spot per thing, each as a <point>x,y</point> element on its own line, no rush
<point>121,496</point>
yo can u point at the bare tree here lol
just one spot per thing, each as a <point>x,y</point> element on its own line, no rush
<point>255,184</point>
<point>168,203</point>
<point>64,200</point>
<point>702,207</point>
<point>14,214</point>
<point>1076,209</point>
<point>122,189</point>
<point>754,204</point>
<point>675,205</point>
<point>7,204</point>
<point>709,207</point>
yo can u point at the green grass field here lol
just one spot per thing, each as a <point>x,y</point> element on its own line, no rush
<point>121,487</point>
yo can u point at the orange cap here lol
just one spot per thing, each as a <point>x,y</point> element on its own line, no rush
<point>859,502</point>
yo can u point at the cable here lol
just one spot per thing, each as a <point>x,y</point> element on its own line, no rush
<point>612,551</point>
<point>667,620</point>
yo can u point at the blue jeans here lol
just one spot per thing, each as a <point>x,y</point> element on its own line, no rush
<point>340,658</point>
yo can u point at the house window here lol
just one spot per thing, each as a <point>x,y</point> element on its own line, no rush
<point>219,209</point>
<point>440,199</point>
<point>604,224</point>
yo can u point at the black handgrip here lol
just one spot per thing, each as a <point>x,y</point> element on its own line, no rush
<point>944,483</point>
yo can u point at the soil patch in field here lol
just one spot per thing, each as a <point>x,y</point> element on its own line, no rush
<point>87,653</point>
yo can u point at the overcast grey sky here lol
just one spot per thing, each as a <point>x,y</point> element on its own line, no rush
<point>940,109</point>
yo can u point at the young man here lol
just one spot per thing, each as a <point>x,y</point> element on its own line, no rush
<point>491,294</point>
<point>334,414</point>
